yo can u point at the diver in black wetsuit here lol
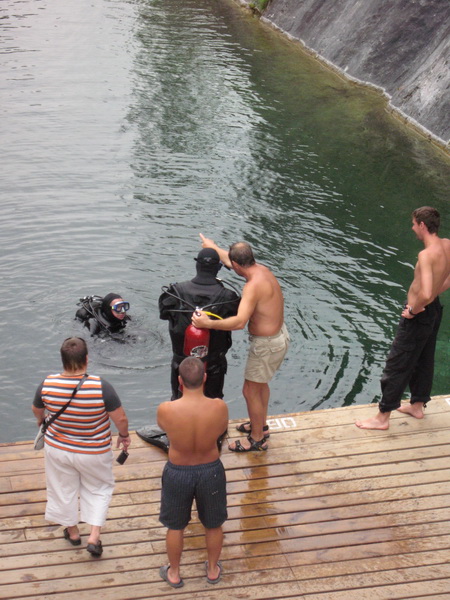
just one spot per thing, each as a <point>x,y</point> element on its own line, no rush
<point>103,315</point>
<point>176,305</point>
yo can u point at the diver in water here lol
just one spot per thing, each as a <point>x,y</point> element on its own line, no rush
<point>106,315</point>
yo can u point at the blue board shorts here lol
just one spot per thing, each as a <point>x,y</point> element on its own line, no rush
<point>182,484</point>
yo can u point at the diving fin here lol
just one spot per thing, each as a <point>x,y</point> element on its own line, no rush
<point>152,434</point>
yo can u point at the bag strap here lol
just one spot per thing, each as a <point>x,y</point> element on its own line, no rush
<point>47,424</point>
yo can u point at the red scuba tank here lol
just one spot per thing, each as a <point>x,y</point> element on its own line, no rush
<point>196,342</point>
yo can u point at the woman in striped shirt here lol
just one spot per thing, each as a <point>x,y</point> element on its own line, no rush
<point>78,452</point>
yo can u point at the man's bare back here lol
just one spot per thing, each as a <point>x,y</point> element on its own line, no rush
<point>194,470</point>
<point>431,272</point>
<point>193,424</point>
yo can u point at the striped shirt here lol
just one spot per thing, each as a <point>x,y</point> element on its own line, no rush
<point>84,426</point>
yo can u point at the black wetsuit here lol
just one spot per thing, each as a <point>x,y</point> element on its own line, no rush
<point>202,292</point>
<point>96,315</point>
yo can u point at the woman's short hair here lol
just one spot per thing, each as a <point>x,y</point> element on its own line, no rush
<point>74,353</point>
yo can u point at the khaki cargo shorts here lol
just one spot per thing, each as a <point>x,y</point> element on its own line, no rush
<point>265,355</point>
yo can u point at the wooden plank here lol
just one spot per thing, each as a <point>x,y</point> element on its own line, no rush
<point>318,485</point>
<point>373,565</point>
<point>316,508</point>
<point>151,587</point>
<point>417,573</point>
<point>153,561</point>
<point>341,519</point>
<point>346,518</point>
<point>292,550</point>
<point>265,585</point>
<point>252,545</point>
<point>260,475</point>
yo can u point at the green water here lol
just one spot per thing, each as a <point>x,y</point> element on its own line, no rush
<point>130,127</point>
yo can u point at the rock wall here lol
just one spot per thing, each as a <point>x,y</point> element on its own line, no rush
<point>401,46</point>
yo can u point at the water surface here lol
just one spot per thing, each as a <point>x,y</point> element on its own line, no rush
<point>130,126</point>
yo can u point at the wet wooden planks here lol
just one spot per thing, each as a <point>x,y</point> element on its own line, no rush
<point>330,512</point>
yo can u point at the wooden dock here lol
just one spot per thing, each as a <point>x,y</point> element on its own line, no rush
<point>330,512</point>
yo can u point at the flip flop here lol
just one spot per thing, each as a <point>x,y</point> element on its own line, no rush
<point>67,537</point>
<point>254,446</point>
<point>242,428</point>
<point>218,578</point>
<point>163,573</point>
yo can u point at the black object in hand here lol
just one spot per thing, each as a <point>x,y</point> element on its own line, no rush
<point>122,457</point>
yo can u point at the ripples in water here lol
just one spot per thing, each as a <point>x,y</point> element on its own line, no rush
<point>129,127</point>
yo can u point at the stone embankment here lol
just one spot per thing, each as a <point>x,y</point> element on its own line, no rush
<point>401,47</point>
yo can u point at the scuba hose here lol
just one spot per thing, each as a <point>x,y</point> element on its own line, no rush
<point>230,285</point>
<point>88,304</point>
<point>212,314</point>
<point>165,289</point>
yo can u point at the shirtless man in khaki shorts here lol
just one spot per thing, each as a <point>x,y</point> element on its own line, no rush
<point>262,307</point>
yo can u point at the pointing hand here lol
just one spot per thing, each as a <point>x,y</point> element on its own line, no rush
<point>207,242</point>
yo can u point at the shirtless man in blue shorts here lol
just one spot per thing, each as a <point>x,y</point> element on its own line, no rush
<point>193,424</point>
<point>262,307</point>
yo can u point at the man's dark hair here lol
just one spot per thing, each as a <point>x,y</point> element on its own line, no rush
<point>428,215</point>
<point>74,353</point>
<point>191,372</point>
<point>242,254</point>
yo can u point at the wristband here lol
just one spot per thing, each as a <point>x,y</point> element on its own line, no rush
<point>411,312</point>
<point>124,436</point>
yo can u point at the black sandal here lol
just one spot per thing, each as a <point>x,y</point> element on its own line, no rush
<point>74,542</point>
<point>254,446</point>
<point>95,549</point>
<point>242,429</point>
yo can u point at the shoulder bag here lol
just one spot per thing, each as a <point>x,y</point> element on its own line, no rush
<point>39,440</point>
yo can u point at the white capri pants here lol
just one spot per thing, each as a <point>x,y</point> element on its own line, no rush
<point>70,475</point>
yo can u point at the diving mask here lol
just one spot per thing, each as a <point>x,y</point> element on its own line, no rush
<point>121,307</point>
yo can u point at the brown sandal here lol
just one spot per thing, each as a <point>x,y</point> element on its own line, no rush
<point>254,446</point>
<point>242,428</point>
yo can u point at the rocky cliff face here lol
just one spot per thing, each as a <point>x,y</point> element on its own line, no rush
<point>402,46</point>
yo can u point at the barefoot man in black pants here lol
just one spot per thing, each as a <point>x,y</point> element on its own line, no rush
<point>411,359</point>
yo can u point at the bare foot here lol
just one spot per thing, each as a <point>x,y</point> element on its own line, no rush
<point>415,410</point>
<point>94,537</point>
<point>176,579</point>
<point>72,534</point>
<point>73,531</point>
<point>380,421</point>
<point>213,574</point>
